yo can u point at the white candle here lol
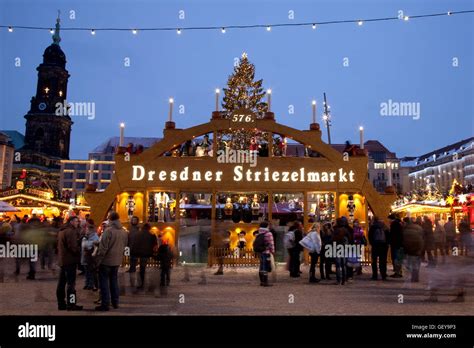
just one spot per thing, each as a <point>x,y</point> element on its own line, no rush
<point>269,99</point>
<point>217,98</point>
<point>91,172</point>
<point>314,111</point>
<point>170,116</point>
<point>361,133</point>
<point>122,129</point>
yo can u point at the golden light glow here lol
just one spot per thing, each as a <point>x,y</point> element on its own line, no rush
<point>421,208</point>
<point>33,198</point>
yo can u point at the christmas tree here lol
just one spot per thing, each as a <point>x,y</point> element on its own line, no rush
<point>243,92</point>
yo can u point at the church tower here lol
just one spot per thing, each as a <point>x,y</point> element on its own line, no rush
<point>48,126</point>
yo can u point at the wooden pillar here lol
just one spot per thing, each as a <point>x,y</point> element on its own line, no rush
<point>145,206</point>
<point>270,205</point>
<point>366,212</point>
<point>270,144</point>
<point>214,144</point>
<point>213,227</point>
<point>177,223</point>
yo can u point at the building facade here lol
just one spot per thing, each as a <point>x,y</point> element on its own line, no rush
<point>384,167</point>
<point>7,151</point>
<point>99,167</point>
<point>439,168</point>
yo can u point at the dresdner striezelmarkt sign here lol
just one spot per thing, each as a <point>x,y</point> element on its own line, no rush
<point>240,174</point>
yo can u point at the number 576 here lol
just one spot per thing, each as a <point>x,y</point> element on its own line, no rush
<point>241,118</point>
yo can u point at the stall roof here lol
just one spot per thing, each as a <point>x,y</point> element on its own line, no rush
<point>7,208</point>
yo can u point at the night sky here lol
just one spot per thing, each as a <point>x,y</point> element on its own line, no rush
<point>402,61</point>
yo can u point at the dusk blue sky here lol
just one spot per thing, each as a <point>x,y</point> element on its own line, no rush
<point>402,61</point>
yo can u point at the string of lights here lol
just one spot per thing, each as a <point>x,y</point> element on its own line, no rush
<point>268,27</point>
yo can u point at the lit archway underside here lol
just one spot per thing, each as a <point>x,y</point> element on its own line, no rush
<point>153,159</point>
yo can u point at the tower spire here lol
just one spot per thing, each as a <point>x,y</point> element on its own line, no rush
<point>56,37</point>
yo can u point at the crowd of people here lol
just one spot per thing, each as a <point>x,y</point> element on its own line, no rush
<point>98,251</point>
<point>411,242</point>
<point>82,248</point>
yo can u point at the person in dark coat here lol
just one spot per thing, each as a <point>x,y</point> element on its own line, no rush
<point>440,241</point>
<point>466,236</point>
<point>350,240</point>
<point>294,252</point>
<point>429,240</point>
<point>26,234</point>
<point>450,229</point>
<point>69,254</point>
<point>109,257</point>
<point>132,232</point>
<point>396,244</point>
<point>326,262</point>
<point>340,236</point>
<point>143,243</point>
<point>412,247</point>
<point>379,241</point>
<point>165,258</point>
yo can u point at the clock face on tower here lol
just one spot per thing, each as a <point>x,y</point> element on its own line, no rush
<point>42,106</point>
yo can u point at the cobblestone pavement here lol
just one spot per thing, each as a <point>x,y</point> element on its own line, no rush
<point>195,290</point>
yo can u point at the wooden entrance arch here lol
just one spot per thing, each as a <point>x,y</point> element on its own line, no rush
<point>153,159</point>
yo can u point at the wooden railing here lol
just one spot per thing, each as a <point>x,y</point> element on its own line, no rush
<point>241,258</point>
<point>232,257</point>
